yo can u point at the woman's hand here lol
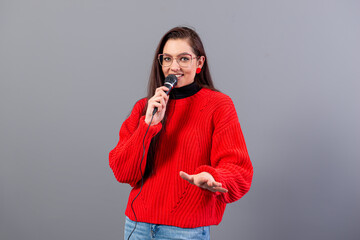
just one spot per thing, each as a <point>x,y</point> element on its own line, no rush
<point>204,180</point>
<point>159,100</point>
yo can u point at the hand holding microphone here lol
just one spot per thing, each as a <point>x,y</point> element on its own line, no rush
<point>157,104</point>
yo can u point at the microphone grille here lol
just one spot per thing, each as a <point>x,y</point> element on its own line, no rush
<point>171,79</point>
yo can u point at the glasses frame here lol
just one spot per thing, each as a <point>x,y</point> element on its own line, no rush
<point>177,59</point>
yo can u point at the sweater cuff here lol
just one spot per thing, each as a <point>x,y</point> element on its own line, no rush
<point>153,130</point>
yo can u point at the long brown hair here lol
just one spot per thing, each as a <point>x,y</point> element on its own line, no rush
<point>157,77</point>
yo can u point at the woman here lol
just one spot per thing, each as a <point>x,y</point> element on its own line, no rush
<point>196,159</point>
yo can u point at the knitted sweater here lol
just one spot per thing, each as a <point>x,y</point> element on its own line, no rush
<point>202,134</point>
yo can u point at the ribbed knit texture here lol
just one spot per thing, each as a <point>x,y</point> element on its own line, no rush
<point>202,134</point>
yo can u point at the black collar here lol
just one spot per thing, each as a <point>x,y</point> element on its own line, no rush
<point>185,91</point>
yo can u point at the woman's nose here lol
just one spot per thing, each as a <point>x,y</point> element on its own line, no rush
<point>174,65</point>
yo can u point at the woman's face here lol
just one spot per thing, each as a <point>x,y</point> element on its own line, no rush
<point>175,48</point>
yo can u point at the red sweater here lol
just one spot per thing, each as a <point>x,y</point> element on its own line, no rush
<point>202,134</point>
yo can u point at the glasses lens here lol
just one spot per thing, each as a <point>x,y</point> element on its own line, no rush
<point>184,60</point>
<point>165,60</point>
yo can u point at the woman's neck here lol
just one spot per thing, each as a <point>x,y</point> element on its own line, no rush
<point>185,91</point>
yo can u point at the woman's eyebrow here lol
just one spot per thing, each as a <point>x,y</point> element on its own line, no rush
<point>178,54</point>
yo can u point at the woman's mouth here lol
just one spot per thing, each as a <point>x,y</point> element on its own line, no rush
<point>179,75</point>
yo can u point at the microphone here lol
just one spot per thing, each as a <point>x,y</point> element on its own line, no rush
<point>170,82</point>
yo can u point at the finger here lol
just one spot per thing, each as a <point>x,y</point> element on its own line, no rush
<point>184,175</point>
<point>162,89</point>
<point>163,103</point>
<point>220,189</point>
<point>165,89</point>
<point>160,95</point>
<point>163,95</point>
<point>154,105</point>
<point>158,99</point>
<point>187,177</point>
<point>162,92</point>
<point>215,184</point>
<point>216,189</point>
<point>209,189</point>
<point>212,183</point>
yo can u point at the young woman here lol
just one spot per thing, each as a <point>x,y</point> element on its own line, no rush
<point>187,161</point>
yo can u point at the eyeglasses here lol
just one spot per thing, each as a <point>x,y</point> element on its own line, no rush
<point>184,60</point>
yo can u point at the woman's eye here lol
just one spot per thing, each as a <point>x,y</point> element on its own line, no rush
<point>167,59</point>
<point>184,59</point>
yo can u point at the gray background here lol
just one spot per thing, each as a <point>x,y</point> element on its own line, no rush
<point>71,71</point>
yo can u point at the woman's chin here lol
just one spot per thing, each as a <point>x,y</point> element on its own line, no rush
<point>182,83</point>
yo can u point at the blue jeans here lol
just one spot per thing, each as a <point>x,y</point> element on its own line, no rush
<point>148,231</point>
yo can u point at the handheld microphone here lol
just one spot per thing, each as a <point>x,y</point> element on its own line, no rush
<point>170,82</point>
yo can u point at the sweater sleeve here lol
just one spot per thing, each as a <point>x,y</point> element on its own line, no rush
<point>125,158</point>
<point>230,161</point>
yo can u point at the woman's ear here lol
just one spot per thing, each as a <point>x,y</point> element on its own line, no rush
<point>201,61</point>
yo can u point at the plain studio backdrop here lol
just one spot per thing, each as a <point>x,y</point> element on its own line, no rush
<point>71,72</point>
